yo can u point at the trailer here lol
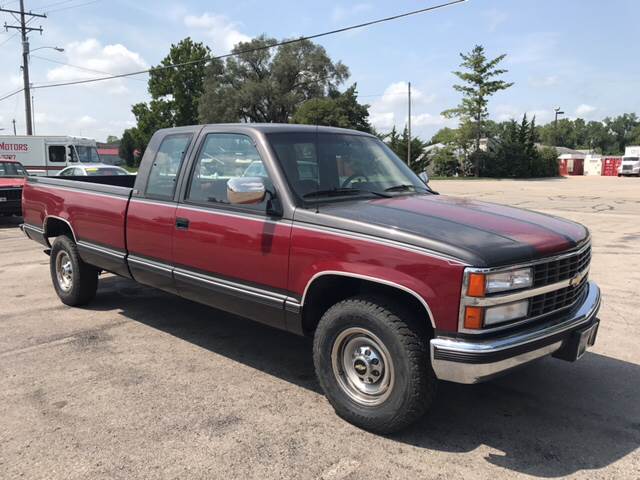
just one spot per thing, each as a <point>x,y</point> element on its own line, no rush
<point>46,155</point>
<point>610,166</point>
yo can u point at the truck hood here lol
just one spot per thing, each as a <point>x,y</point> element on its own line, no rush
<point>478,233</point>
<point>11,182</point>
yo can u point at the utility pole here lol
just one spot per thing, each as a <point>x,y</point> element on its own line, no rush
<point>409,125</point>
<point>24,29</point>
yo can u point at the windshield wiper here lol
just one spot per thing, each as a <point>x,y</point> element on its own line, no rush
<point>336,192</point>
<point>404,188</point>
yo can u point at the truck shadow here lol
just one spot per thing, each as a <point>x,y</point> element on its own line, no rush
<point>551,420</point>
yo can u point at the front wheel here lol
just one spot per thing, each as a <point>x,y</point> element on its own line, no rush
<point>372,361</point>
<point>75,282</point>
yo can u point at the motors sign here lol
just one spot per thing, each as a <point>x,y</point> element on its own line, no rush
<point>13,147</point>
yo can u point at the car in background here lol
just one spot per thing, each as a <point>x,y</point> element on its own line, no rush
<point>92,170</point>
<point>12,178</point>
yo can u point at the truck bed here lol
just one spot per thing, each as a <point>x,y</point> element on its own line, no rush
<point>95,206</point>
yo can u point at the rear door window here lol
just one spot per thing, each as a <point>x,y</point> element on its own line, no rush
<point>163,175</point>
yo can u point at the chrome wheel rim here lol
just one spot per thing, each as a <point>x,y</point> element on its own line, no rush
<point>362,366</point>
<point>64,271</point>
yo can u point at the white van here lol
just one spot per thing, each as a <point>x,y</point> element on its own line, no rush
<point>630,162</point>
<point>46,155</point>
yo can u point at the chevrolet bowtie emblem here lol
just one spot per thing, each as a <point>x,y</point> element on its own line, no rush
<point>575,281</point>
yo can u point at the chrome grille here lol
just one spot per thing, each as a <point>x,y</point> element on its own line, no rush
<point>556,300</point>
<point>627,167</point>
<point>561,269</point>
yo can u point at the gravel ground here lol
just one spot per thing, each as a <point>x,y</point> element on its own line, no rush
<point>141,384</point>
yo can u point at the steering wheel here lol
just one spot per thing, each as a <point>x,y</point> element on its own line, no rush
<point>350,180</point>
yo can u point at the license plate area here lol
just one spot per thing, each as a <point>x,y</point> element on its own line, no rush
<point>574,347</point>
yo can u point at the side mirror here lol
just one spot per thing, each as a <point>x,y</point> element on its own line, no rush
<point>245,190</point>
<point>424,176</point>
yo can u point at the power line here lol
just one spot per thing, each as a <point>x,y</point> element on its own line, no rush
<point>9,38</point>
<point>44,7</point>
<point>9,95</point>
<point>79,67</point>
<point>72,6</point>
<point>266,47</point>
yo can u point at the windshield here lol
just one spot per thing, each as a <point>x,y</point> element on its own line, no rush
<point>105,172</point>
<point>12,169</point>
<point>330,166</point>
<point>630,159</point>
<point>87,154</point>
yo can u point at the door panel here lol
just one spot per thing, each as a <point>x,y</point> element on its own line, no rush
<point>236,262</point>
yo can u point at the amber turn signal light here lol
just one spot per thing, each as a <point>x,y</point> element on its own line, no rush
<point>473,318</point>
<point>477,285</point>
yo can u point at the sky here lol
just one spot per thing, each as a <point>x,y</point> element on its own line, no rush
<point>573,54</point>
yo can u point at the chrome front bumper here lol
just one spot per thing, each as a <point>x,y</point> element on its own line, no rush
<point>472,361</point>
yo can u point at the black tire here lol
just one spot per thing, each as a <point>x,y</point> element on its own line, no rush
<point>83,277</point>
<point>403,338</point>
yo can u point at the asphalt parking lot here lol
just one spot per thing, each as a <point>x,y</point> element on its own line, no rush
<point>142,384</point>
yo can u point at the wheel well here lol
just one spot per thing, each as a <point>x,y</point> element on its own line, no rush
<point>328,290</point>
<point>55,227</point>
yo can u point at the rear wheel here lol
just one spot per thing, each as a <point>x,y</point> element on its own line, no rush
<point>75,282</point>
<point>372,361</point>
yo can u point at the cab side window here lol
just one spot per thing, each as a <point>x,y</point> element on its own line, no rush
<point>164,171</point>
<point>224,156</point>
<point>57,153</point>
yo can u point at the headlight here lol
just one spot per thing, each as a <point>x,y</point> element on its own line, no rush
<point>480,284</point>
<point>513,280</point>
<point>504,313</point>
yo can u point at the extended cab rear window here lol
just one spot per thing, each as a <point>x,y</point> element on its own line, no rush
<point>166,165</point>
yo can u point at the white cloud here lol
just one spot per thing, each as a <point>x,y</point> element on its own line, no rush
<point>503,113</point>
<point>87,121</point>
<point>382,121</point>
<point>396,95</point>
<point>495,18</point>
<point>542,82</point>
<point>427,119</point>
<point>585,110</point>
<point>341,13</point>
<point>98,60</point>
<point>390,110</point>
<point>223,32</point>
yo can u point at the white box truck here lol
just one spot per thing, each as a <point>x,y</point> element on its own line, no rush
<point>630,162</point>
<point>46,155</point>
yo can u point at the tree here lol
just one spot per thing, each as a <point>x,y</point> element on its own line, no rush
<point>480,83</point>
<point>129,145</point>
<point>445,163</point>
<point>622,128</point>
<point>175,91</point>
<point>445,135</point>
<point>399,144</point>
<point>268,84</point>
<point>112,139</point>
<point>335,110</point>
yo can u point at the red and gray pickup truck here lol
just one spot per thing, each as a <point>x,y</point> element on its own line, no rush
<point>325,232</point>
